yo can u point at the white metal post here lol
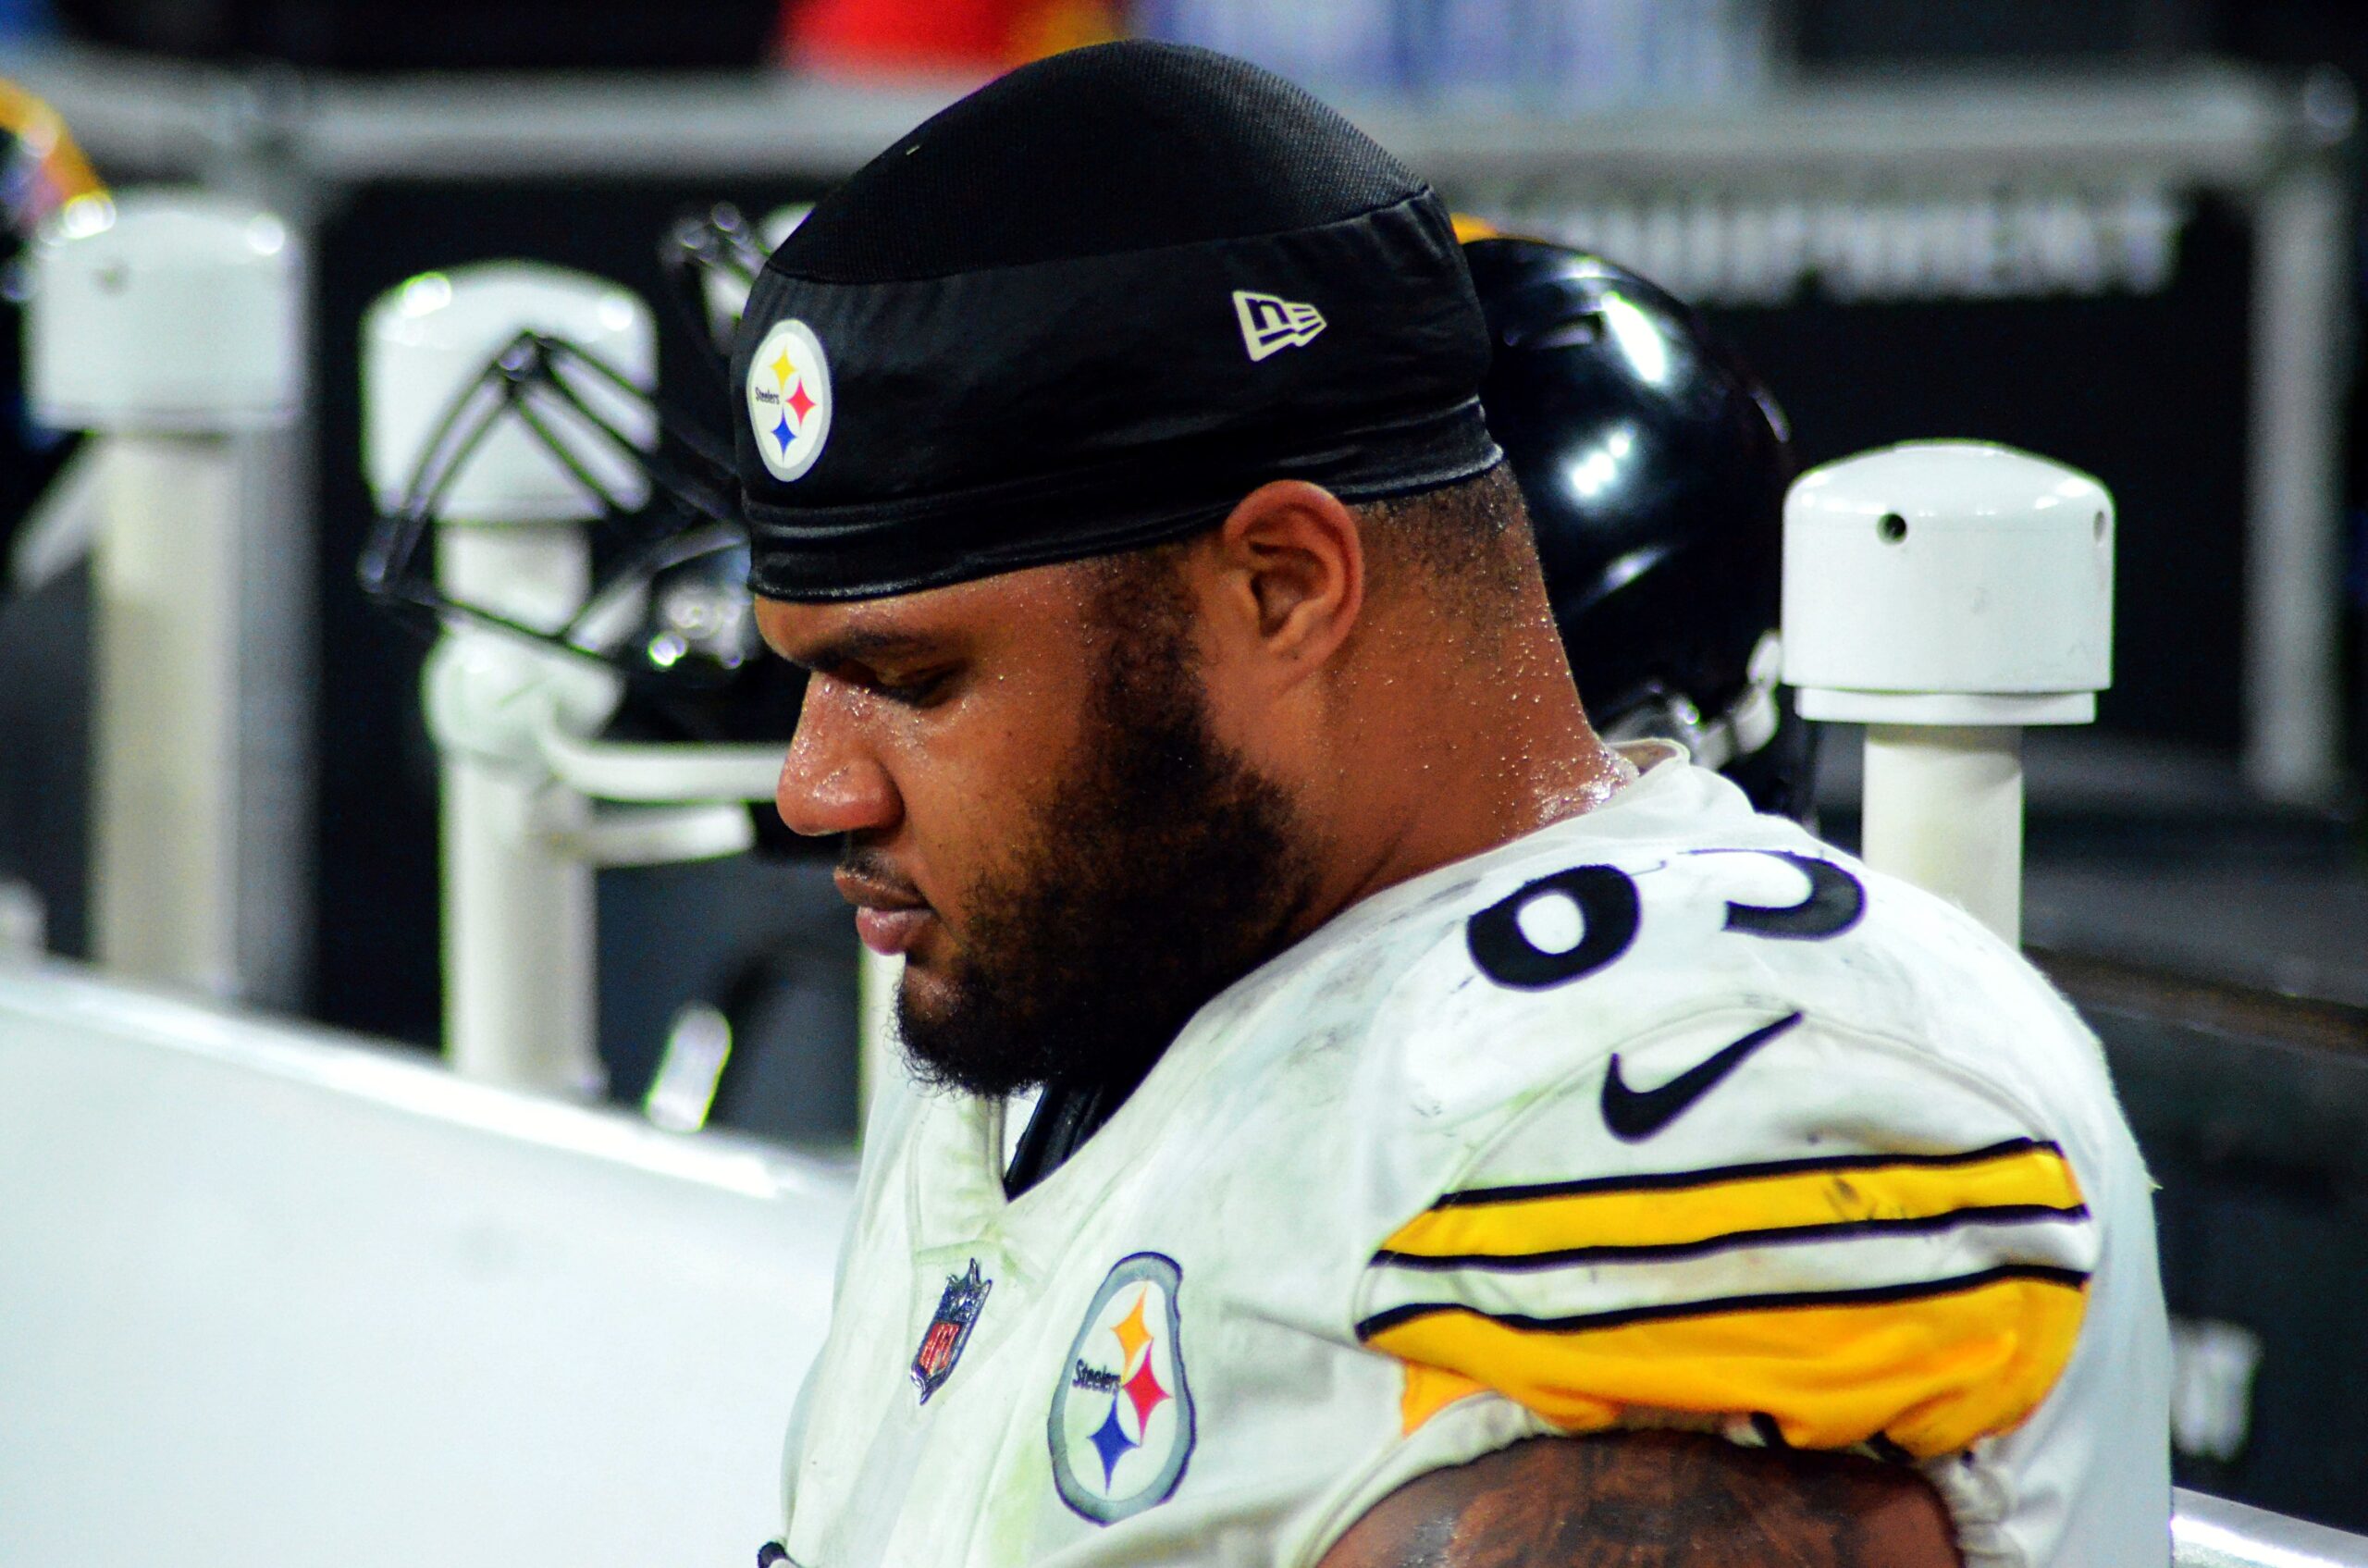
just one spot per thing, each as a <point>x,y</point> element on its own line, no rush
<point>518,932</point>
<point>2294,713</point>
<point>164,733</point>
<point>1942,806</point>
<point>166,321</point>
<point>1946,594</point>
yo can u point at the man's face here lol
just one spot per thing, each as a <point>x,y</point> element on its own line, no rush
<point>1037,815</point>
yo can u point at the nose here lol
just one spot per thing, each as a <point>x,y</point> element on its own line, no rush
<point>831,782</point>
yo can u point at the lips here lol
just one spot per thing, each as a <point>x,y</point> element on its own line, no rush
<point>889,918</point>
<point>889,932</point>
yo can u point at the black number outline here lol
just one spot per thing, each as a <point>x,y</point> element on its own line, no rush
<point>1611,912</point>
<point>1837,901</point>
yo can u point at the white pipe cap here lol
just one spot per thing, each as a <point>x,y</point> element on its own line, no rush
<point>164,312</point>
<point>1948,583</point>
<point>426,343</point>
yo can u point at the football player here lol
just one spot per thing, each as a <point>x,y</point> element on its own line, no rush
<point>1454,1138</point>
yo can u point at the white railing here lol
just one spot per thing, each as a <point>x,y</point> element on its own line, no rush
<point>270,1295</point>
<point>2209,1532</point>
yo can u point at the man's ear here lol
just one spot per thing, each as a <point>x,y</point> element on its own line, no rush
<point>1288,564</point>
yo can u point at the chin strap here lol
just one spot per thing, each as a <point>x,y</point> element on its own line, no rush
<point>1070,1111</point>
<point>1748,724</point>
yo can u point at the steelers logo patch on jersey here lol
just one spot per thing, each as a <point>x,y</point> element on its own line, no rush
<point>1122,1417</point>
<point>789,399</point>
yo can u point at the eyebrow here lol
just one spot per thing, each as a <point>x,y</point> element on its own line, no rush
<point>860,645</point>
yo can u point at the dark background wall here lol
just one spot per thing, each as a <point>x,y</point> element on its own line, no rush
<point>2145,391</point>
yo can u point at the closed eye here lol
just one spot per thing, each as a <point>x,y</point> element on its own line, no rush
<point>907,691</point>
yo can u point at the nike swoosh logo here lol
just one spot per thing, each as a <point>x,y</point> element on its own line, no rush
<point>1634,1115</point>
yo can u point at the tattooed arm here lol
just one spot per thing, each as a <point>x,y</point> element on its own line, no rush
<point>1654,1500</point>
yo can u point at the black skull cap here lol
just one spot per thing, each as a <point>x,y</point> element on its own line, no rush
<point>1087,309</point>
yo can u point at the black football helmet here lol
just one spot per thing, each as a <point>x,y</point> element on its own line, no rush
<point>710,259</point>
<point>1654,465</point>
<point>669,613</point>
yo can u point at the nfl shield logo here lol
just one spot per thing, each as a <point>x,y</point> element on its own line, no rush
<point>957,1313</point>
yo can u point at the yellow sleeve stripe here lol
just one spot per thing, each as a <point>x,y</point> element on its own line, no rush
<point>1429,1390</point>
<point>1569,1222</point>
<point>1932,1372</point>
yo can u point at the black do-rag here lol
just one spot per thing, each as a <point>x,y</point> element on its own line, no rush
<point>1086,309</point>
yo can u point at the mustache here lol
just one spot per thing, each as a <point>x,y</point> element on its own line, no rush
<point>867,863</point>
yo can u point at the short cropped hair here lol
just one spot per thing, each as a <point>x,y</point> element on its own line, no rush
<point>1467,543</point>
<point>1470,539</point>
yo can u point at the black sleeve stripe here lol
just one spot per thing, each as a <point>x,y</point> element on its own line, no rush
<point>1734,1241</point>
<point>2072,1279</point>
<point>1676,1180</point>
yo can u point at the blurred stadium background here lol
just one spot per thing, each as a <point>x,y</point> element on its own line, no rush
<point>2125,234</point>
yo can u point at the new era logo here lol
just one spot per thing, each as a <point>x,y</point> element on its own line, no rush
<point>1270,323</point>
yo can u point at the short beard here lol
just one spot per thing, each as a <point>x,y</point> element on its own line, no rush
<point>1161,870</point>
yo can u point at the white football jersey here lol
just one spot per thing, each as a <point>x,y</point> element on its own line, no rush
<point>1667,1114</point>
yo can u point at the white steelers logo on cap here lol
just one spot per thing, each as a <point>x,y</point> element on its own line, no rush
<point>789,399</point>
